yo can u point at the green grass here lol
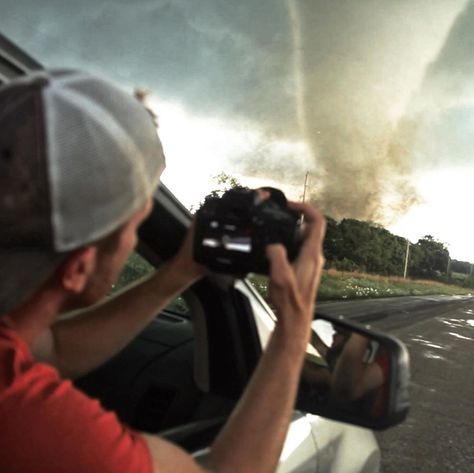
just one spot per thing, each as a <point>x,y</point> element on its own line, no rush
<point>337,285</point>
<point>135,268</point>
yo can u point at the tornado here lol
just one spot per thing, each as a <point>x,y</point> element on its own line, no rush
<point>358,67</point>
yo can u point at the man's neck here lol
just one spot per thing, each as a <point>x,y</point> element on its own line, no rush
<point>35,315</point>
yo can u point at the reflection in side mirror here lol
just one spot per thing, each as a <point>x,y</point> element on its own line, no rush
<point>355,375</point>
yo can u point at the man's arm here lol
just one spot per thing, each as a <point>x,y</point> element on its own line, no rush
<point>352,378</point>
<point>253,437</point>
<point>79,344</point>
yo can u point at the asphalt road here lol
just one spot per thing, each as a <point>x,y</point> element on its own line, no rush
<point>438,435</point>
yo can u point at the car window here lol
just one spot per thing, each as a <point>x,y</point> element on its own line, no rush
<point>138,267</point>
<point>135,268</point>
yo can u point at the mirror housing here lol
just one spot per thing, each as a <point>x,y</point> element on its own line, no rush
<point>354,374</point>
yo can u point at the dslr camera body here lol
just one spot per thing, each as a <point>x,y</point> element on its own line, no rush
<point>232,231</point>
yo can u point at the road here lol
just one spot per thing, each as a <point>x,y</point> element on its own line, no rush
<point>438,434</point>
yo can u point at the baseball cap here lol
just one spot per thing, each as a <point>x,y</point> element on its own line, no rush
<point>78,157</point>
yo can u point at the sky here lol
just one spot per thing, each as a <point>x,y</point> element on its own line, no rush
<point>374,98</point>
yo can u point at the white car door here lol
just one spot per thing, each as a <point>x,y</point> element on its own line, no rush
<point>299,451</point>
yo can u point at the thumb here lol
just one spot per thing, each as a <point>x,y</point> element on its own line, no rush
<point>281,272</point>
<point>276,254</point>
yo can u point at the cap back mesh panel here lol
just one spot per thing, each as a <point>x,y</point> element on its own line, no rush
<point>105,158</point>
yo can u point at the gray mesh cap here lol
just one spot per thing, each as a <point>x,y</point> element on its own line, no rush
<point>78,157</point>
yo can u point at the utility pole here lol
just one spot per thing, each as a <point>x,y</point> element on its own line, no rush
<point>448,265</point>
<point>406,260</point>
<point>305,185</point>
<point>304,192</point>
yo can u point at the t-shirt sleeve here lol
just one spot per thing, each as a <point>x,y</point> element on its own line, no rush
<point>50,426</point>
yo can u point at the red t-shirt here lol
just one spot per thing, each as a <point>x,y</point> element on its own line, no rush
<point>48,426</point>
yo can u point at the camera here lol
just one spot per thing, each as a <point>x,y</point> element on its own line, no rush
<point>232,231</point>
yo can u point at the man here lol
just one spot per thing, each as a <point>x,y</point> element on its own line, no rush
<point>79,160</point>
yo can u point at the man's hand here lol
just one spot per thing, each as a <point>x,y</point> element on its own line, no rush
<point>183,262</point>
<point>253,437</point>
<point>293,286</point>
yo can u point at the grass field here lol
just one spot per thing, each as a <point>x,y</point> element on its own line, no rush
<point>337,285</point>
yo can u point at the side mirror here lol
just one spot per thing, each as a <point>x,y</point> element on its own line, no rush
<point>354,374</point>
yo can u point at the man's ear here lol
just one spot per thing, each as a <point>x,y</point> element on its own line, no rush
<point>78,269</point>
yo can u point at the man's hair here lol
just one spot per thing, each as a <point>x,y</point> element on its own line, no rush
<point>78,156</point>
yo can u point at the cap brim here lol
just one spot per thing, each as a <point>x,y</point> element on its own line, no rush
<point>23,272</point>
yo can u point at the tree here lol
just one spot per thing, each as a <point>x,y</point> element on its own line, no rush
<point>365,246</point>
<point>332,240</point>
<point>429,257</point>
<point>224,182</point>
<point>462,267</point>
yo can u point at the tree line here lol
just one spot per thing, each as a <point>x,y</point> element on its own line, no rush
<point>354,245</point>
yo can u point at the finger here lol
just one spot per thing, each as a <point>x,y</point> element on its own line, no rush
<point>263,194</point>
<point>309,212</point>
<point>313,230</point>
<point>314,220</point>
<point>281,272</point>
<point>276,255</point>
<point>185,255</point>
<point>283,290</point>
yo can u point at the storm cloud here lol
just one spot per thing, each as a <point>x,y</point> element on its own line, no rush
<point>441,116</point>
<point>352,91</point>
<point>220,58</point>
